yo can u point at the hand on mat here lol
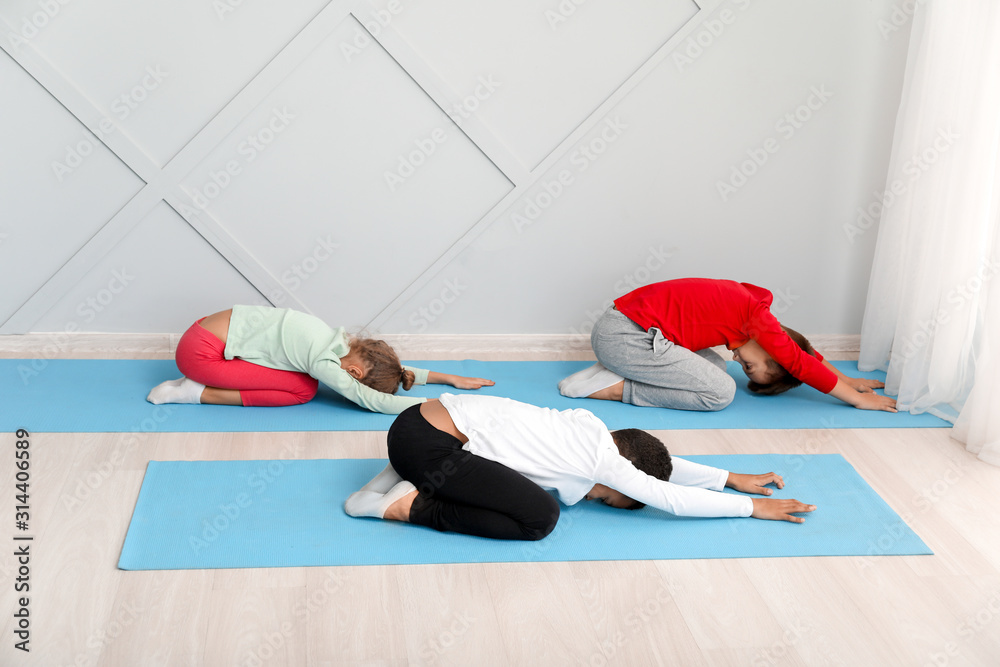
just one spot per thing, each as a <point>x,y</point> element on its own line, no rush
<point>460,382</point>
<point>754,483</point>
<point>780,509</point>
<point>865,385</point>
<point>873,401</point>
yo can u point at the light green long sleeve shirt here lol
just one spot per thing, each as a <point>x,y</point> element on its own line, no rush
<point>290,340</point>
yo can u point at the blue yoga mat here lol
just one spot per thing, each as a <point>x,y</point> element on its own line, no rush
<point>107,396</point>
<point>287,513</point>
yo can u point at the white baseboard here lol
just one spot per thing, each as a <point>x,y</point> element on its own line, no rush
<point>836,344</point>
<point>514,347</point>
<point>88,346</point>
<point>523,347</point>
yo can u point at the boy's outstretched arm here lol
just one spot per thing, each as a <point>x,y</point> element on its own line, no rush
<point>863,400</point>
<point>780,509</point>
<point>776,509</point>
<point>754,483</point>
<point>858,384</point>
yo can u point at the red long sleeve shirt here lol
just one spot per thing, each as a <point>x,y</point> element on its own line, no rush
<point>700,312</point>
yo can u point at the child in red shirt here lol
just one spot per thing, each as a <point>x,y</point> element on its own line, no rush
<point>653,346</point>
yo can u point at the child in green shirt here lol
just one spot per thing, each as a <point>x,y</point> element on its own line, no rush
<point>263,356</point>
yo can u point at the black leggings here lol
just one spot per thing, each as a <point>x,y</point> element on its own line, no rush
<point>464,493</point>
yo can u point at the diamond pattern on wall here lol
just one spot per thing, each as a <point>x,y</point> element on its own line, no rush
<point>335,162</point>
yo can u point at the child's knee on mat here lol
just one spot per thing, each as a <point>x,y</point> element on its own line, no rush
<point>548,517</point>
<point>721,396</point>
<point>307,393</point>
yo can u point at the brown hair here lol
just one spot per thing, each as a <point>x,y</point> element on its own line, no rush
<point>383,372</point>
<point>783,380</point>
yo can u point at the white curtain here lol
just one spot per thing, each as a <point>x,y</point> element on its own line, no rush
<point>932,319</point>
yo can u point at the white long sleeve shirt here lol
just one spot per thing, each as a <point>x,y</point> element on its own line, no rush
<point>570,451</point>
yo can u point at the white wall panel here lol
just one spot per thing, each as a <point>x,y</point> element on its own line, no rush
<point>160,70</point>
<point>583,156</point>
<point>161,273</point>
<point>653,191</point>
<point>346,181</point>
<point>58,185</point>
<point>548,65</point>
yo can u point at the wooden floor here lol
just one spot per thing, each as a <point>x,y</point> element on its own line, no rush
<point>927,610</point>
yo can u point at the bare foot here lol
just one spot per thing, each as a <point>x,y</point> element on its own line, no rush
<point>400,510</point>
<point>612,393</point>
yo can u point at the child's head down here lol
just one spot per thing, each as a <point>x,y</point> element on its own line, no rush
<point>382,370</point>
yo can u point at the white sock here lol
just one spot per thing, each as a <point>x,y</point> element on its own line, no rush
<point>384,481</point>
<point>182,390</point>
<point>584,383</point>
<point>374,504</point>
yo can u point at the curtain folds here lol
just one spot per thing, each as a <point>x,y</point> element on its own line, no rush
<point>932,316</point>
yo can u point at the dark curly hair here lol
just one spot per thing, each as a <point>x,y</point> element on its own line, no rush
<point>783,380</point>
<point>645,452</point>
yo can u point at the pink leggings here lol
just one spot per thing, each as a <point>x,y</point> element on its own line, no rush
<point>201,357</point>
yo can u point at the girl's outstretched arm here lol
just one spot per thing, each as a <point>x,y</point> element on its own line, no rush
<point>863,400</point>
<point>859,384</point>
<point>330,373</point>
<point>458,381</point>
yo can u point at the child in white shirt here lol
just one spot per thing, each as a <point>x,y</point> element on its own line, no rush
<point>483,465</point>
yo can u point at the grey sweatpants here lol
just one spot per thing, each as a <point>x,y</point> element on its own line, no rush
<point>657,372</point>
